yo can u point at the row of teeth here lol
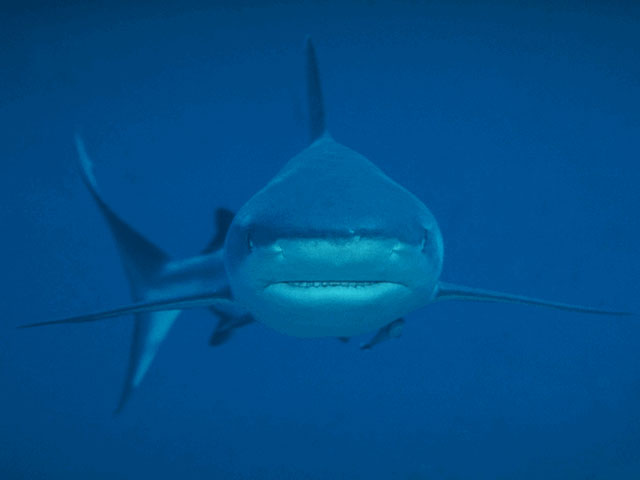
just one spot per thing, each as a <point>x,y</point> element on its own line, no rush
<point>331,284</point>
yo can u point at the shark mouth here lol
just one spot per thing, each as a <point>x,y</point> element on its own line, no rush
<point>320,292</point>
<point>333,283</point>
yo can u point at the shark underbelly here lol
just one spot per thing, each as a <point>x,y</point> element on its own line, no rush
<point>330,308</point>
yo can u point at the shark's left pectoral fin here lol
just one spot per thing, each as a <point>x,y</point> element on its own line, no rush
<point>449,291</point>
<point>177,303</point>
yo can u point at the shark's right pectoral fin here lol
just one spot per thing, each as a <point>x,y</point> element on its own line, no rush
<point>153,320</point>
<point>449,291</point>
<point>162,305</point>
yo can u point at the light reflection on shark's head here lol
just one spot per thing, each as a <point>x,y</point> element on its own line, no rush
<point>332,247</point>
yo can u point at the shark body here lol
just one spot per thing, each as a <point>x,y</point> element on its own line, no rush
<point>331,247</point>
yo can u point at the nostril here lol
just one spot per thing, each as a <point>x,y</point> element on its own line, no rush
<point>249,243</point>
<point>278,250</point>
<point>397,248</point>
<point>425,241</point>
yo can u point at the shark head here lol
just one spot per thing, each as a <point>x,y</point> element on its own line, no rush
<point>332,247</point>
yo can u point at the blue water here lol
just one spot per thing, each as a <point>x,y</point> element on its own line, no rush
<point>520,129</point>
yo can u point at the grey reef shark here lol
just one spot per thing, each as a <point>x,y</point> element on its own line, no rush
<point>330,247</point>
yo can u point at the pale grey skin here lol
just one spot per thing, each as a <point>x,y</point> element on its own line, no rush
<point>330,247</point>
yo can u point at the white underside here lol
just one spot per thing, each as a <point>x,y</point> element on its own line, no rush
<point>339,292</point>
<point>331,308</point>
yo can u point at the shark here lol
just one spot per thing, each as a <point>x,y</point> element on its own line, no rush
<point>330,247</point>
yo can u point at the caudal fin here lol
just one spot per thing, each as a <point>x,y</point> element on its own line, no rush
<point>149,331</point>
<point>141,259</point>
<point>143,263</point>
<point>449,291</point>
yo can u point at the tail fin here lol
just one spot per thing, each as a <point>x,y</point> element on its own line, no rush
<point>149,331</point>
<point>143,262</point>
<point>315,103</point>
<point>448,291</point>
<point>141,259</point>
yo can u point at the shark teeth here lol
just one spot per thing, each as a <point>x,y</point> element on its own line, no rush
<point>332,283</point>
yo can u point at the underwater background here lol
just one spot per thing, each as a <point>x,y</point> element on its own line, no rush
<point>518,126</point>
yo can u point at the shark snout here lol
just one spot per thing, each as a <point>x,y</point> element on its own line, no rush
<point>322,286</point>
<point>346,259</point>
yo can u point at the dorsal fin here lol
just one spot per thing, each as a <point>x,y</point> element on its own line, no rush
<point>223,220</point>
<point>315,104</point>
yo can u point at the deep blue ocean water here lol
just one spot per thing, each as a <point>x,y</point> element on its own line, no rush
<point>518,126</point>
